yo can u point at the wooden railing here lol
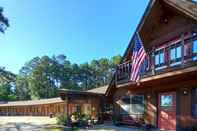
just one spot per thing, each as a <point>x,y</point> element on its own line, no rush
<point>124,70</point>
<point>149,68</point>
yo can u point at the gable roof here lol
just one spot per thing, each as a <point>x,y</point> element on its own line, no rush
<point>187,7</point>
<point>31,102</point>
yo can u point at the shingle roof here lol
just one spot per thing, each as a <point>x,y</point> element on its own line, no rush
<point>99,90</point>
<point>32,102</point>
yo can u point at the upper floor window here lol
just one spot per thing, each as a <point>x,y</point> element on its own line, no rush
<point>194,45</point>
<point>159,59</point>
<point>175,54</point>
<point>194,48</point>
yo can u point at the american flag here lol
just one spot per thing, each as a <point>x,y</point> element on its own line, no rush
<point>138,56</point>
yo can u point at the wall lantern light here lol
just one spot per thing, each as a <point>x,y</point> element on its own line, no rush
<point>93,109</point>
<point>185,91</point>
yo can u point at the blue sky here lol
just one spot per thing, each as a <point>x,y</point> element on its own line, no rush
<point>81,29</point>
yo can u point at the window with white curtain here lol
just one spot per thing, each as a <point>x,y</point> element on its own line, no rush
<point>133,104</point>
<point>175,54</point>
<point>194,48</point>
<point>159,59</point>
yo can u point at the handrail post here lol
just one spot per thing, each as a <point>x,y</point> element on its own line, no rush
<point>153,62</point>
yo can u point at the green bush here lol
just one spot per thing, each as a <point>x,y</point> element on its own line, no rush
<point>80,119</point>
<point>62,119</point>
<point>84,119</point>
<point>76,115</point>
<point>116,120</point>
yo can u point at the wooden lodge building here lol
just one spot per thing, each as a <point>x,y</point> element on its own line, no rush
<point>89,102</point>
<point>166,95</point>
<point>86,102</point>
<point>41,107</point>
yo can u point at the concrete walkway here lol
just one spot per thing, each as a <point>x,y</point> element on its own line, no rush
<point>21,123</point>
<point>27,123</point>
<point>110,127</point>
<point>27,119</point>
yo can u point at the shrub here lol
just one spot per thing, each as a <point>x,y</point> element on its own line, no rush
<point>84,119</point>
<point>76,115</point>
<point>116,120</point>
<point>62,119</point>
<point>78,119</point>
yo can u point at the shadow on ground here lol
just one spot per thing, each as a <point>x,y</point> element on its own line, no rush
<point>32,127</point>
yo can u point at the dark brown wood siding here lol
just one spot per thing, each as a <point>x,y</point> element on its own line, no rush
<point>34,110</point>
<point>184,101</point>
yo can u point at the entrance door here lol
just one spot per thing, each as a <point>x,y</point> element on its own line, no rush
<point>167,111</point>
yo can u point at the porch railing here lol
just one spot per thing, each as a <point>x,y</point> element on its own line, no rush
<point>149,69</point>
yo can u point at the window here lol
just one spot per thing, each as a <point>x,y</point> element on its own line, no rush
<point>108,108</point>
<point>125,105</point>
<point>137,104</point>
<point>194,48</point>
<point>159,59</point>
<point>194,102</point>
<point>133,105</point>
<point>175,55</point>
<point>166,100</point>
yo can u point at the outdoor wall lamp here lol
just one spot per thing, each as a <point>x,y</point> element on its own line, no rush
<point>149,96</point>
<point>185,91</point>
<point>93,109</point>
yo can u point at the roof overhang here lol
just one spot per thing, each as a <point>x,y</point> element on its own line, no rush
<point>184,7</point>
<point>75,92</point>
